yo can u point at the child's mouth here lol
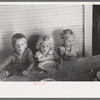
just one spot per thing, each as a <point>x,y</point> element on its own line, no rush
<point>44,50</point>
<point>20,50</point>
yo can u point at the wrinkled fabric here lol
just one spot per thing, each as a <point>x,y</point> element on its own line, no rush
<point>14,63</point>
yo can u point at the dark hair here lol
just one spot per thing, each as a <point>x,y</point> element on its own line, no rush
<point>17,36</point>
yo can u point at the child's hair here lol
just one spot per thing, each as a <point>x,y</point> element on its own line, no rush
<point>45,39</point>
<point>18,36</point>
<point>67,32</point>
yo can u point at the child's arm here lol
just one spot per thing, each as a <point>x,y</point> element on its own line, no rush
<point>61,51</point>
<point>25,72</point>
<point>6,62</point>
<point>31,64</point>
<point>58,58</point>
<point>50,57</point>
<point>74,54</point>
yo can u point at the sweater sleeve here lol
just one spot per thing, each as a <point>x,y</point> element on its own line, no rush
<point>30,56</point>
<point>6,62</point>
<point>61,51</point>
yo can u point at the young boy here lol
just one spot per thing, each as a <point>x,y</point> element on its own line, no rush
<point>22,58</point>
<point>67,50</point>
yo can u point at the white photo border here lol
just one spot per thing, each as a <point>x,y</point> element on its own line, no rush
<point>49,89</point>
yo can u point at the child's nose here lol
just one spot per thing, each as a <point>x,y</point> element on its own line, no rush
<point>70,41</point>
<point>19,46</point>
<point>45,46</point>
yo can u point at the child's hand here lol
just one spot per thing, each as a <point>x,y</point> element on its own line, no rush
<point>42,59</point>
<point>61,50</point>
<point>25,73</point>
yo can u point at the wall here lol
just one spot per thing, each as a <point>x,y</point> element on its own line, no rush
<point>34,20</point>
<point>88,30</point>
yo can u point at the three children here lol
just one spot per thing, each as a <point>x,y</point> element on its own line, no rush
<point>22,58</point>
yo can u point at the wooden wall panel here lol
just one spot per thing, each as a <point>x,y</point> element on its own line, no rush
<point>34,20</point>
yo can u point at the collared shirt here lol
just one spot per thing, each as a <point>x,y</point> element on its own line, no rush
<point>50,56</point>
<point>14,60</point>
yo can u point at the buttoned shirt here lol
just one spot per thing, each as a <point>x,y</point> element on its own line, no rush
<point>50,56</point>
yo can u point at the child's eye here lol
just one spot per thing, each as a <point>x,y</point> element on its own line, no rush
<point>22,44</point>
<point>47,46</point>
<point>65,37</point>
<point>42,46</point>
<point>16,45</point>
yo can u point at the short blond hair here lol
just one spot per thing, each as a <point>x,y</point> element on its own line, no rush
<point>45,39</point>
<point>67,32</point>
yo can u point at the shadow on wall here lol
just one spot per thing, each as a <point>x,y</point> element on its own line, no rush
<point>32,41</point>
<point>6,44</point>
<point>57,38</point>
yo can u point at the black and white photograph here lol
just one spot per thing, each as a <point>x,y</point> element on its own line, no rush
<point>49,42</point>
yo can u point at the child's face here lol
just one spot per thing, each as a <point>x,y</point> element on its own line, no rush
<point>20,46</point>
<point>44,48</point>
<point>68,41</point>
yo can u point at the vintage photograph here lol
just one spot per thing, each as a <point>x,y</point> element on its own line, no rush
<point>49,42</point>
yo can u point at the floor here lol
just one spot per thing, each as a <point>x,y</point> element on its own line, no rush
<point>72,70</point>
